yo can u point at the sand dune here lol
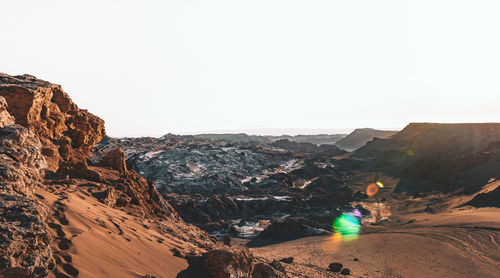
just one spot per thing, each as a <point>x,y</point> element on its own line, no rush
<point>98,241</point>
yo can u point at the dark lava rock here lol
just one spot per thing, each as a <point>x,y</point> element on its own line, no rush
<point>335,267</point>
<point>288,229</point>
<point>346,271</point>
<point>288,260</point>
<point>227,240</point>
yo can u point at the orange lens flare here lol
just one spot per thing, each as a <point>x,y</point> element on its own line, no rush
<point>372,189</point>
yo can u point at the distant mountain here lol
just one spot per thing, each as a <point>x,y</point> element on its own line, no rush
<point>359,137</point>
<point>319,139</point>
<point>442,157</point>
<point>236,137</point>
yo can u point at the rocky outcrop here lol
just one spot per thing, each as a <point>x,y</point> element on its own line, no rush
<point>230,262</point>
<point>24,239</point>
<point>264,270</point>
<point>116,160</point>
<point>67,132</point>
<point>190,165</point>
<point>5,118</point>
<point>21,160</point>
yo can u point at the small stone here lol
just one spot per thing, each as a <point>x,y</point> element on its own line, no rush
<point>346,271</point>
<point>227,240</point>
<point>335,267</point>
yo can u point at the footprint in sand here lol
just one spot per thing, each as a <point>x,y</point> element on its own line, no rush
<point>64,243</point>
<point>68,268</point>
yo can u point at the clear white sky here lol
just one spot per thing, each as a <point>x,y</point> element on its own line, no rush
<point>152,67</point>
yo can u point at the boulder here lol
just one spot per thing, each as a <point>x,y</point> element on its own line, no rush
<point>116,160</point>
<point>230,262</point>
<point>346,271</point>
<point>278,265</point>
<point>264,270</point>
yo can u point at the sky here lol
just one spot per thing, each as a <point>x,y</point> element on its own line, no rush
<point>157,67</point>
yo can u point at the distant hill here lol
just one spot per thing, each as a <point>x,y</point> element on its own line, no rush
<point>432,156</point>
<point>319,139</point>
<point>360,137</point>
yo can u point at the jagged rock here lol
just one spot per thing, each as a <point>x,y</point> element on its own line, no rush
<point>21,160</point>
<point>116,160</point>
<point>67,132</point>
<point>263,270</point>
<point>107,197</point>
<point>278,265</point>
<point>5,118</point>
<point>228,263</point>
<point>24,239</point>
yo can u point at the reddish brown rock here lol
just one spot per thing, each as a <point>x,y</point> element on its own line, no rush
<point>21,160</point>
<point>5,118</point>
<point>228,262</point>
<point>116,160</point>
<point>67,132</point>
<point>24,239</point>
<point>264,270</point>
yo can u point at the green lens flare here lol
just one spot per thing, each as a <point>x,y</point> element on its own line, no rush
<point>347,225</point>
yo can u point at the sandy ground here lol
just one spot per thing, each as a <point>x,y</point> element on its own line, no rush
<point>460,244</point>
<point>431,236</point>
<point>98,241</point>
<point>457,242</point>
<point>94,240</point>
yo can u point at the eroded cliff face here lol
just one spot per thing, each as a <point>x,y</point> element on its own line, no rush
<point>67,132</point>
<point>24,239</point>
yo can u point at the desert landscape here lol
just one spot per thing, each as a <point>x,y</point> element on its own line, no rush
<point>420,202</point>
<point>249,139</point>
